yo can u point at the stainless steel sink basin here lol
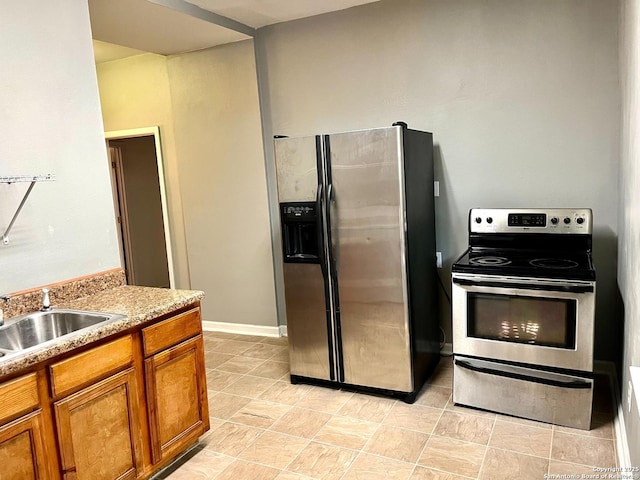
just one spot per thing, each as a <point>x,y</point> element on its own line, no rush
<point>37,328</point>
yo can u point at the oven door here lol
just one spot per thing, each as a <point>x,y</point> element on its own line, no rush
<point>532,321</point>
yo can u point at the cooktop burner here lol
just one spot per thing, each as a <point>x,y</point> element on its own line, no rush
<point>516,262</point>
<point>553,263</point>
<point>489,260</point>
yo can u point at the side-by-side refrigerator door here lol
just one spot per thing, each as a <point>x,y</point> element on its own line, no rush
<point>368,256</point>
<point>300,194</point>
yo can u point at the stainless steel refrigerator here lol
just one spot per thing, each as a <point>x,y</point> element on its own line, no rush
<point>358,236</point>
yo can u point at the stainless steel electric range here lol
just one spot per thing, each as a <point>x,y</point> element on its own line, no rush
<point>523,302</point>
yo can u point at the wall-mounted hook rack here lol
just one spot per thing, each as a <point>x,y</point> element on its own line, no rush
<point>17,179</point>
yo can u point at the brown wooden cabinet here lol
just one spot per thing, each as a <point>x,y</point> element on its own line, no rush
<point>119,409</point>
<point>175,384</point>
<point>21,449</point>
<point>98,430</point>
<point>22,446</point>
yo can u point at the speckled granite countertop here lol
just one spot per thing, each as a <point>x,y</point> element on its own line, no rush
<point>138,304</point>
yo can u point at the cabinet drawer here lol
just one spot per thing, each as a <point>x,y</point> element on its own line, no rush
<point>171,331</point>
<point>89,366</point>
<point>18,396</point>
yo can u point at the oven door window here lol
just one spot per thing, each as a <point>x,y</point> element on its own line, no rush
<point>532,320</point>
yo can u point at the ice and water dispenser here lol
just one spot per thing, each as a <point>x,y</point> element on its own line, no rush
<point>300,233</point>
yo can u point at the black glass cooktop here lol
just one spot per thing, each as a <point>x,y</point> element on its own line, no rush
<point>535,263</point>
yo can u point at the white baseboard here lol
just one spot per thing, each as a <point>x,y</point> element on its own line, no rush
<point>622,447</point>
<point>244,329</point>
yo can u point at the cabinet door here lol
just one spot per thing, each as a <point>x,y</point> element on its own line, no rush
<point>21,449</point>
<point>98,430</point>
<point>176,398</point>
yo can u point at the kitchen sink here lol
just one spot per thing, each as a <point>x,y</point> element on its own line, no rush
<point>37,328</point>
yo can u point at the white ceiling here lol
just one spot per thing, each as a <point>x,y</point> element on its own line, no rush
<point>146,26</point>
<point>258,13</point>
<point>106,52</point>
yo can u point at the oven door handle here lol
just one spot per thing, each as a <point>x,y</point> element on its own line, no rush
<point>519,376</point>
<point>573,288</point>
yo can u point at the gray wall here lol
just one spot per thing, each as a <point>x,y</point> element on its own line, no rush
<point>214,98</point>
<point>134,93</point>
<point>522,99</point>
<point>206,104</point>
<point>50,123</point>
<point>629,221</point>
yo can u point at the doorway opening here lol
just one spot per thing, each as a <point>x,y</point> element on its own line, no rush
<point>140,203</point>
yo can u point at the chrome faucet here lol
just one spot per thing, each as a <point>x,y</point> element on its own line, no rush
<point>46,303</point>
<point>5,299</point>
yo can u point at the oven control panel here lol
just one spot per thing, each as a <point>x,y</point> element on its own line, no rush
<point>531,220</point>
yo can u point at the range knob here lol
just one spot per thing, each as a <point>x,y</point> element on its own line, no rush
<point>554,220</point>
<point>580,220</point>
<point>567,220</point>
<point>489,219</point>
<point>478,220</point>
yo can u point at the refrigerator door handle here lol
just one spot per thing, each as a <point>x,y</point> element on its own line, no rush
<point>334,241</point>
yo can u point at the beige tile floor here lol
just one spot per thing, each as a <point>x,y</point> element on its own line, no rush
<point>264,428</point>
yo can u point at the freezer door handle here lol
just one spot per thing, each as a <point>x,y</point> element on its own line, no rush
<point>519,376</point>
<point>320,239</point>
<point>333,259</point>
<point>322,255</point>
